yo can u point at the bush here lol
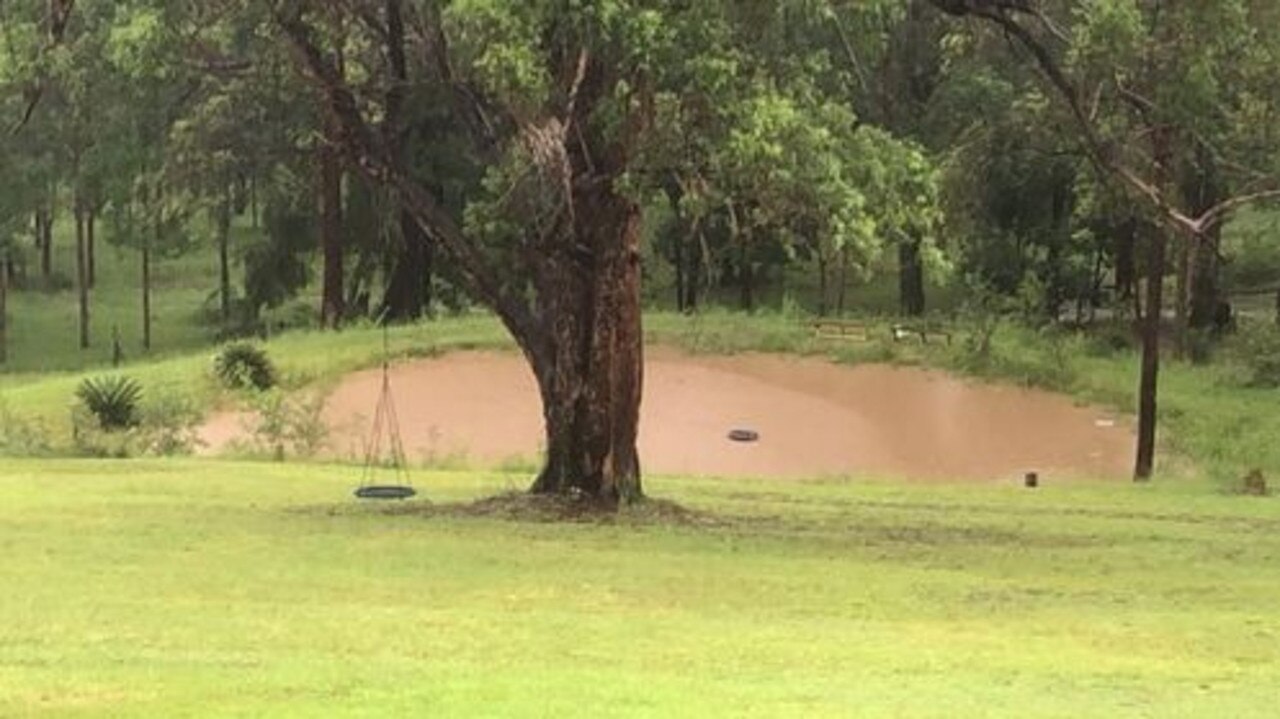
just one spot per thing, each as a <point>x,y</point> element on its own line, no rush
<point>90,439</point>
<point>169,426</point>
<point>284,424</point>
<point>245,366</point>
<point>22,436</point>
<point>1257,351</point>
<point>112,401</point>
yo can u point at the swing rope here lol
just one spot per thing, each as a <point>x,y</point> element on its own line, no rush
<point>385,421</point>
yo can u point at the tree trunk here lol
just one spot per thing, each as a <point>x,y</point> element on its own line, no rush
<point>1125,249</point>
<point>843,290</point>
<point>1184,263</point>
<point>910,279</point>
<point>681,270</point>
<point>823,292</point>
<point>1204,189</point>
<point>1206,284</point>
<point>1149,381</point>
<point>146,294</point>
<point>82,275</point>
<point>91,217</point>
<point>224,259</point>
<point>44,223</point>
<point>590,372</point>
<point>4,317</point>
<point>330,200</point>
<point>696,276</point>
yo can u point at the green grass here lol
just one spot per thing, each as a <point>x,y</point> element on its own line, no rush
<point>43,332</point>
<point>163,589</point>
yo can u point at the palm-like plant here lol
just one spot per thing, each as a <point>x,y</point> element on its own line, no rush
<point>112,400</point>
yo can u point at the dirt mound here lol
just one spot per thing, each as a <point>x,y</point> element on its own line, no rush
<point>814,419</point>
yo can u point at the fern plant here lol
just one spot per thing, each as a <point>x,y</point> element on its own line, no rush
<point>113,401</point>
<point>242,365</point>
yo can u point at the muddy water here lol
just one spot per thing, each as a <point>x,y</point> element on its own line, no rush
<point>814,418</point>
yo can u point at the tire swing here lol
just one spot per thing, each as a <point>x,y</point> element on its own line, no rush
<point>385,423</point>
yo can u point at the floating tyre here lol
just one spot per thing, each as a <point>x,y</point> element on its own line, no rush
<point>744,435</point>
<point>385,491</point>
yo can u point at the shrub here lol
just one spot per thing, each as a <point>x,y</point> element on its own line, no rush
<point>242,365</point>
<point>112,401</point>
<point>169,425</point>
<point>90,439</point>
<point>23,436</point>
<point>1257,351</point>
<point>284,424</point>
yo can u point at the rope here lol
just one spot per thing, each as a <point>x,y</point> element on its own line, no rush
<point>385,420</point>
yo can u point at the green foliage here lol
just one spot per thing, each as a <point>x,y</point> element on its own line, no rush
<point>170,424</point>
<point>243,365</point>
<point>23,436</point>
<point>286,424</point>
<point>111,400</point>
<point>1256,350</point>
<point>276,266</point>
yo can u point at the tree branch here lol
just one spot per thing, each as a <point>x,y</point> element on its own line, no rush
<point>59,15</point>
<point>370,156</point>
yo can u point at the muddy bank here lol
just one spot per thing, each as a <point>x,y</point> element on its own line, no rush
<point>814,419</point>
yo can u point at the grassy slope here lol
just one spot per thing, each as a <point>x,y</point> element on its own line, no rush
<point>43,325</point>
<point>161,589</point>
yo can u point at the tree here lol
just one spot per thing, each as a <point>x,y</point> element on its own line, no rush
<point>559,100</point>
<point>1147,83</point>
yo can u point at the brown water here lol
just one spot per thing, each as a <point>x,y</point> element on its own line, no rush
<point>814,418</point>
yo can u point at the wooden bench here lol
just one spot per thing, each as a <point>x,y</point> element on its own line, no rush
<point>840,329</point>
<point>860,332</point>
<point>924,334</point>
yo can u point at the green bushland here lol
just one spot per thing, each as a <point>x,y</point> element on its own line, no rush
<point>162,588</point>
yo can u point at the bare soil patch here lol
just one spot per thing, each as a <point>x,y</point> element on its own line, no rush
<point>814,419</point>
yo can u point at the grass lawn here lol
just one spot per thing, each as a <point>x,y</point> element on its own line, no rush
<point>188,588</point>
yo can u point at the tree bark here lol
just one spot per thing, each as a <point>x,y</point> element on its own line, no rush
<point>146,294</point>
<point>591,377</point>
<point>843,290</point>
<point>1203,270</point>
<point>1150,377</point>
<point>224,258</point>
<point>4,316</point>
<point>1148,383</point>
<point>90,223</point>
<point>910,279</point>
<point>1206,282</point>
<point>44,225</point>
<point>330,201</point>
<point>823,291</point>
<point>1125,249</point>
<point>695,278</point>
<point>82,274</point>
